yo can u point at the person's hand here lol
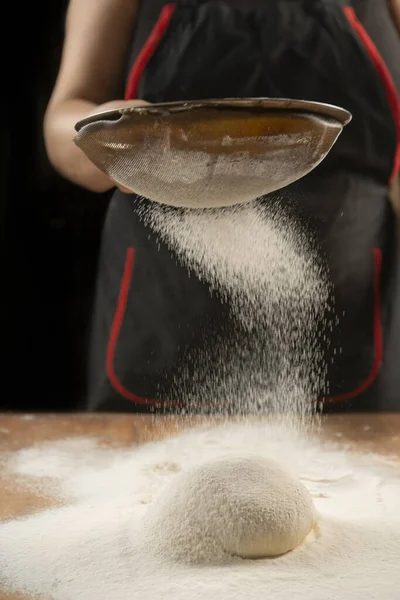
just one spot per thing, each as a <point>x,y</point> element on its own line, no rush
<point>112,105</point>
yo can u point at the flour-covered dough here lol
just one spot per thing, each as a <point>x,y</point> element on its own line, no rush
<point>246,506</point>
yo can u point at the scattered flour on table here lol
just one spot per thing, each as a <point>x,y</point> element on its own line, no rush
<point>95,547</point>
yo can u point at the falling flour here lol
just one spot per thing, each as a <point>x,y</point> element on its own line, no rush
<point>96,548</point>
<point>263,264</point>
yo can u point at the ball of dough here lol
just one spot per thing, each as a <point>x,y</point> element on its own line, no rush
<point>246,506</point>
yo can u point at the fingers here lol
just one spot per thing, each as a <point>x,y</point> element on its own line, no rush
<point>125,190</point>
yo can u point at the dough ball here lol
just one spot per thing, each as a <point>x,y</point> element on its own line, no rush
<point>244,506</point>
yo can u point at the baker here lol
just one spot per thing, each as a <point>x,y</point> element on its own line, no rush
<point>148,312</point>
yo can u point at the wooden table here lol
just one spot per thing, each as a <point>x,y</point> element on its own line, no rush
<point>378,433</point>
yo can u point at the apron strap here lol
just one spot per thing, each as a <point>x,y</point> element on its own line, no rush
<point>149,48</point>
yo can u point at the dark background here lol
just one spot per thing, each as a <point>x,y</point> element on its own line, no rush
<point>50,229</point>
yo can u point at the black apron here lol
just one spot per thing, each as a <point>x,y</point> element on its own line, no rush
<point>150,316</point>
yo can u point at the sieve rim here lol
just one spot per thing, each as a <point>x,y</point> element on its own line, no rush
<point>337,113</point>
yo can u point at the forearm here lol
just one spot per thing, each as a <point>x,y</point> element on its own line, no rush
<point>91,75</point>
<point>395,11</point>
<point>64,155</point>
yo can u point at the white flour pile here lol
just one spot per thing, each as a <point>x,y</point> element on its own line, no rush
<point>264,265</point>
<point>92,549</point>
<point>244,505</point>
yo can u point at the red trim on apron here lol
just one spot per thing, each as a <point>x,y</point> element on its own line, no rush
<point>384,74</point>
<point>115,329</point>
<point>149,48</point>
<point>378,338</point>
<point>120,312</point>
